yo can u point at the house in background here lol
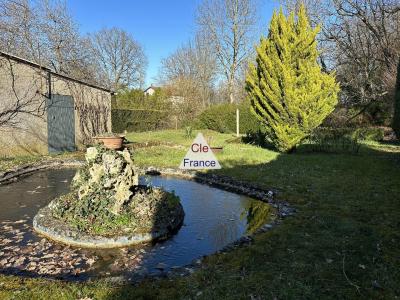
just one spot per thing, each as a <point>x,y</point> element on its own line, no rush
<point>175,100</point>
<point>150,90</point>
<point>59,113</point>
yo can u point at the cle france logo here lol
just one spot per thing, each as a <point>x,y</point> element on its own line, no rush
<point>199,156</point>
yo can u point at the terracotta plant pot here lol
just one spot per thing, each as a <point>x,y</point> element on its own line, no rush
<point>217,149</point>
<point>111,142</point>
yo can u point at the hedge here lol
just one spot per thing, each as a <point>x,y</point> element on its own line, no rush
<point>222,118</point>
<point>138,120</point>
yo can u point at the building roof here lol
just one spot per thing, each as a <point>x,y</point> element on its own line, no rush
<point>35,65</point>
<point>150,87</point>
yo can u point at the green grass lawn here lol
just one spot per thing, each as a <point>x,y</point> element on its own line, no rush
<point>343,241</point>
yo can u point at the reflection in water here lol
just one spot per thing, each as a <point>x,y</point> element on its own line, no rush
<point>257,214</point>
<point>222,234</point>
<point>213,219</point>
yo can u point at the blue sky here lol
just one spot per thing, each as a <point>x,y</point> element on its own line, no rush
<point>159,26</point>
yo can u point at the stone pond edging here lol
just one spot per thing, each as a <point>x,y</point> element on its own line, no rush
<point>226,183</point>
<point>13,174</point>
<point>45,224</point>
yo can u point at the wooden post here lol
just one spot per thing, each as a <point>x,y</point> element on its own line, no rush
<point>237,122</point>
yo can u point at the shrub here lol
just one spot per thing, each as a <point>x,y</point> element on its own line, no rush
<point>258,138</point>
<point>337,141</point>
<point>362,134</point>
<point>369,134</point>
<point>325,139</point>
<point>287,88</point>
<point>222,118</point>
<point>188,132</point>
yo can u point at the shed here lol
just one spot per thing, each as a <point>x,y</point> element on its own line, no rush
<point>59,113</point>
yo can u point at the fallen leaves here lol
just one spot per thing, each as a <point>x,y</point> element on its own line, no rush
<point>41,257</point>
<point>21,251</point>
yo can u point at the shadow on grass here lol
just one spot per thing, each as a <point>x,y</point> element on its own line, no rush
<point>342,242</point>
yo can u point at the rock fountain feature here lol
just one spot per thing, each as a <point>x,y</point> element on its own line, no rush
<point>107,208</point>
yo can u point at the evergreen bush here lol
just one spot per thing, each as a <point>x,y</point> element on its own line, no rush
<point>287,89</point>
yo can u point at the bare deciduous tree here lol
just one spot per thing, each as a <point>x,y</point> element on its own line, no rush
<point>191,69</point>
<point>120,59</point>
<point>228,25</point>
<point>361,40</point>
<point>367,36</point>
<point>44,32</point>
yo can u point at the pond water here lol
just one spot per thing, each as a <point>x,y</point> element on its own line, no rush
<point>213,219</point>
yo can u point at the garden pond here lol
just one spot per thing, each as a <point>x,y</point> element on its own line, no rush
<point>214,218</point>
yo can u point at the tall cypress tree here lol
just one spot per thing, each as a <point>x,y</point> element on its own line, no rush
<point>288,91</point>
<point>396,116</point>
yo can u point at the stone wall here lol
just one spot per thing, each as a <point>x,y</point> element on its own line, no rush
<point>30,85</point>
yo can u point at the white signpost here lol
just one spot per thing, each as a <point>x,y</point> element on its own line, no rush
<point>199,156</point>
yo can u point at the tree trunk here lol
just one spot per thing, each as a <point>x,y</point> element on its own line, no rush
<point>230,90</point>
